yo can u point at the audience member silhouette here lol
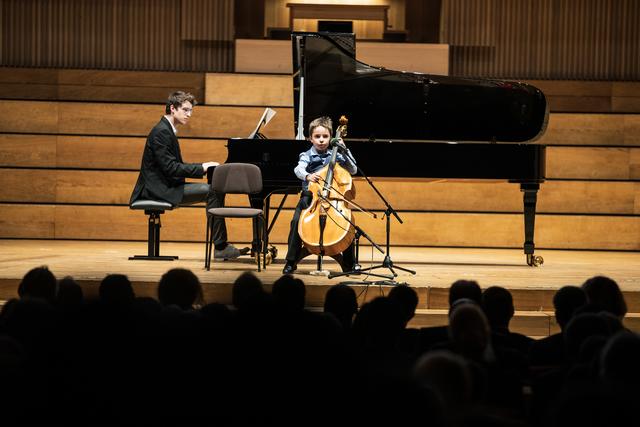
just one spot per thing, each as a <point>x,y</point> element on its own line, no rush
<point>38,283</point>
<point>289,293</point>
<point>247,292</point>
<point>448,374</point>
<point>497,304</point>
<point>550,351</point>
<point>180,287</point>
<point>116,290</point>
<point>341,302</point>
<point>619,367</point>
<point>407,298</point>
<point>459,290</point>
<point>70,293</point>
<point>604,293</point>
<point>468,289</point>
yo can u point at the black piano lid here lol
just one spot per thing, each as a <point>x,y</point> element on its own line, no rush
<point>398,105</point>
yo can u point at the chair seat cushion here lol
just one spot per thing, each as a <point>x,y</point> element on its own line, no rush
<point>151,205</point>
<point>236,212</point>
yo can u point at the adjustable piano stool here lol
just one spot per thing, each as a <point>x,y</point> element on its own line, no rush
<point>154,209</point>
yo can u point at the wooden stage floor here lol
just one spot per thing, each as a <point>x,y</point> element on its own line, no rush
<point>90,261</point>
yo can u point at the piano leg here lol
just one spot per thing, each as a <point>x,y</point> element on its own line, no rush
<point>530,197</point>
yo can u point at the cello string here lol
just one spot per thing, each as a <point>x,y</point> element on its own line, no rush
<point>352,203</point>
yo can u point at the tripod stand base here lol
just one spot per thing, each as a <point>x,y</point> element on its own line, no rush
<point>325,273</point>
<point>368,283</point>
<point>358,271</point>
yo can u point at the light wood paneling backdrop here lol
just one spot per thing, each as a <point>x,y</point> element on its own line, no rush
<point>186,35</point>
<point>543,39</point>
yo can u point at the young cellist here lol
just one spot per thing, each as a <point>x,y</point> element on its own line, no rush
<point>309,163</point>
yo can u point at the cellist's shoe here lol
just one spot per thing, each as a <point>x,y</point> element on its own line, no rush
<point>289,267</point>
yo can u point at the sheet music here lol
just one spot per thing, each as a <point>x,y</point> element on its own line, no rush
<point>267,115</point>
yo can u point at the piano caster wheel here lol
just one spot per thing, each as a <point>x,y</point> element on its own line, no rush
<point>272,253</point>
<point>534,260</point>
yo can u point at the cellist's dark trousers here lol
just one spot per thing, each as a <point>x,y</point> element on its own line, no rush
<point>295,250</point>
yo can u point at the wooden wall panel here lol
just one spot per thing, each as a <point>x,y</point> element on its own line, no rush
<point>233,121</point>
<point>117,34</point>
<point>27,221</point>
<point>114,188</point>
<point>274,56</point>
<point>97,85</point>
<point>267,90</point>
<point>592,129</point>
<point>593,163</point>
<point>544,39</point>
<point>137,119</point>
<point>122,153</point>
<point>28,150</point>
<point>419,229</point>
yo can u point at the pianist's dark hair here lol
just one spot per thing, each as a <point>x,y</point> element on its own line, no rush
<point>324,121</point>
<point>177,99</point>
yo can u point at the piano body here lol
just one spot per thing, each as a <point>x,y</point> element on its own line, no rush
<point>423,126</point>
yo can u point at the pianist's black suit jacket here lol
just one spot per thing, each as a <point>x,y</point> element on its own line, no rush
<point>162,171</point>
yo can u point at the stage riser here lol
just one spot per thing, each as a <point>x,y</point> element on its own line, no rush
<point>97,85</point>
<point>84,118</point>
<point>100,119</point>
<point>124,153</point>
<point>114,188</point>
<point>95,152</point>
<point>262,89</point>
<point>419,229</point>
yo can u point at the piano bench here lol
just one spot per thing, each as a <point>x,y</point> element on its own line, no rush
<point>154,209</point>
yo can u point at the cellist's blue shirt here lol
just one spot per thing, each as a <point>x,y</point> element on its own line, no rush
<point>311,161</point>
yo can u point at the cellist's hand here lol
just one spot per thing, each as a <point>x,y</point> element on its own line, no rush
<point>313,177</point>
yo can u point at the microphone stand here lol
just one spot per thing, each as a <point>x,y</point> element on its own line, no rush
<point>359,232</point>
<point>387,262</point>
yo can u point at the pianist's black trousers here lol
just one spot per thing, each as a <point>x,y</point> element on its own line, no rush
<point>196,193</point>
<point>295,251</point>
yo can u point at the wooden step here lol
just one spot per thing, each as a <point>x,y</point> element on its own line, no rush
<point>592,129</point>
<point>590,96</point>
<point>124,153</point>
<point>268,90</point>
<point>96,119</point>
<point>419,229</point>
<point>95,152</point>
<point>97,85</point>
<point>274,89</point>
<point>115,187</point>
<point>110,119</point>
<point>274,56</point>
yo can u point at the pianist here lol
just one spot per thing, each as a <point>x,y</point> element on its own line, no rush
<point>309,163</point>
<point>162,171</point>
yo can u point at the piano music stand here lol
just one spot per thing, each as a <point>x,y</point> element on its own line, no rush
<point>266,117</point>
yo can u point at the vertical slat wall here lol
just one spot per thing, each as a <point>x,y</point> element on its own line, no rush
<point>543,39</point>
<point>163,35</point>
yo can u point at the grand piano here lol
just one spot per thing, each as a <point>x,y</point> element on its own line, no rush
<point>423,126</point>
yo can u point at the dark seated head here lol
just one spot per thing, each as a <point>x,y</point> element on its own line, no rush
<point>38,283</point>
<point>180,287</point>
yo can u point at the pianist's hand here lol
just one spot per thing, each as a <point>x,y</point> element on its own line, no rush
<point>207,165</point>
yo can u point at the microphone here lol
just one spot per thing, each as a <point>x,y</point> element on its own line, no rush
<point>335,142</point>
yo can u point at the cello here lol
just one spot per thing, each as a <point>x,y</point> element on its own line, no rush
<point>326,226</point>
